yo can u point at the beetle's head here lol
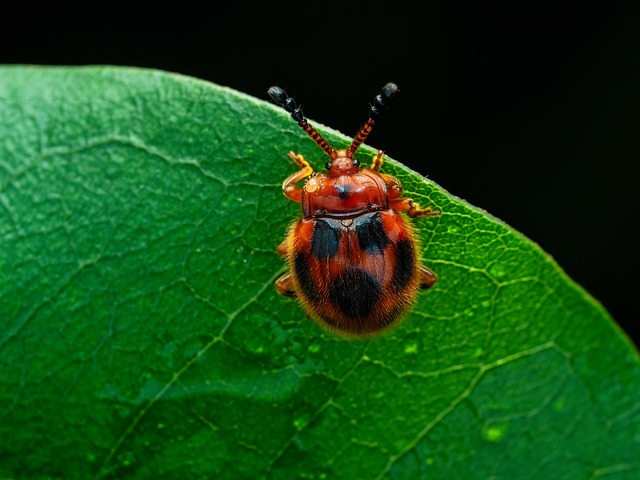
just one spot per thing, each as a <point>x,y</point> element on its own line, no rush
<point>342,164</point>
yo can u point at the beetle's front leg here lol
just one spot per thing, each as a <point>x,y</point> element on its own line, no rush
<point>377,162</point>
<point>291,191</point>
<point>404,204</point>
<point>412,208</point>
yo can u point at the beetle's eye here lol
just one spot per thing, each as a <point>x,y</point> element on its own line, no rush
<point>356,163</point>
<point>327,165</point>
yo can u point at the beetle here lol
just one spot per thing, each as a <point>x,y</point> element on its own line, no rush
<point>352,257</point>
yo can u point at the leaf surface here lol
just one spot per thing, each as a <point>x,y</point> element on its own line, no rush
<point>141,336</point>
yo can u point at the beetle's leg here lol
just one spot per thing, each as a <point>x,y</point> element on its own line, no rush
<point>404,204</point>
<point>283,248</point>
<point>427,277</point>
<point>393,186</point>
<point>377,162</point>
<point>412,208</point>
<point>289,188</point>
<point>284,285</point>
<point>299,159</point>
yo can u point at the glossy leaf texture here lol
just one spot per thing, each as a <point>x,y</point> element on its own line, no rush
<point>141,336</point>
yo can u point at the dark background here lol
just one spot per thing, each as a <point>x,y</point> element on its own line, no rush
<point>527,110</point>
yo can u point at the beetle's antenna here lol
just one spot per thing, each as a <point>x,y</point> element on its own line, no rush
<point>289,104</point>
<point>380,102</point>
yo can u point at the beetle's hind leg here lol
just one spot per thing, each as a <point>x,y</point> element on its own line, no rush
<point>283,248</point>
<point>427,277</point>
<point>284,285</point>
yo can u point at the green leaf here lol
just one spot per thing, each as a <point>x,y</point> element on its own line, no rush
<point>141,335</point>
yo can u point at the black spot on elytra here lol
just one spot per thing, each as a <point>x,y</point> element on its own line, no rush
<point>343,190</point>
<point>301,267</point>
<point>326,239</point>
<point>371,235</point>
<point>405,265</point>
<point>355,292</point>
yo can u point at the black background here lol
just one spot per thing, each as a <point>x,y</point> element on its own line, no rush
<point>527,110</point>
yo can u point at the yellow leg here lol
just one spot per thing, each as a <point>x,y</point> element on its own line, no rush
<point>288,186</point>
<point>412,208</point>
<point>377,162</point>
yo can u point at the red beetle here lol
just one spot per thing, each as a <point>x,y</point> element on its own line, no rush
<point>353,259</point>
